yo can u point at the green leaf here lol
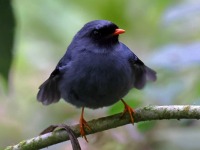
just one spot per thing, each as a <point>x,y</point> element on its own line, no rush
<point>7,26</point>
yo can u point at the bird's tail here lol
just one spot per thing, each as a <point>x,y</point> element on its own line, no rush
<point>49,92</point>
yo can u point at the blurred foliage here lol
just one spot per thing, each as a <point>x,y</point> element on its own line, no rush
<point>7,26</point>
<point>145,126</point>
<point>164,34</point>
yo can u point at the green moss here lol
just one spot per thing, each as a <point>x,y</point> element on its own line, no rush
<point>40,139</point>
<point>186,109</point>
<point>148,108</point>
<point>54,133</point>
<point>9,148</point>
<point>22,143</point>
<point>166,114</point>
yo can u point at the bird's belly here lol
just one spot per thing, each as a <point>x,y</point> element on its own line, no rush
<point>97,86</point>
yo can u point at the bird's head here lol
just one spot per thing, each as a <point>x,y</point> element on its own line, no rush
<point>100,32</point>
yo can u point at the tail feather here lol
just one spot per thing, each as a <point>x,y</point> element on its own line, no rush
<point>48,92</point>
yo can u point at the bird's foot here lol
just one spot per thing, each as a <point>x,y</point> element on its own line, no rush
<point>128,109</point>
<point>83,125</point>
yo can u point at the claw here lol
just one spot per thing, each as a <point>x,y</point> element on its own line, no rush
<point>83,124</point>
<point>128,109</point>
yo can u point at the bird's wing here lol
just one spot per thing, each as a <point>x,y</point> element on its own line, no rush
<point>141,72</point>
<point>49,91</point>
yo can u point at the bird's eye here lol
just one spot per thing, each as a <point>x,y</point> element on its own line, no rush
<point>96,33</point>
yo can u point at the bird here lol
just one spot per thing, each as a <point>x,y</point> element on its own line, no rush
<point>96,71</point>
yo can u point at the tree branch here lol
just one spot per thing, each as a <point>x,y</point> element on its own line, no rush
<point>141,114</point>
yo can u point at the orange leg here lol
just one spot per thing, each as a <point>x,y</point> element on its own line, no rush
<point>83,124</point>
<point>128,109</point>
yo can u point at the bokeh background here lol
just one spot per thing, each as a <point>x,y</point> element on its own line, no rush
<point>165,34</point>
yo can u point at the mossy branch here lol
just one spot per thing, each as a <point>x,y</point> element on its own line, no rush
<point>105,123</point>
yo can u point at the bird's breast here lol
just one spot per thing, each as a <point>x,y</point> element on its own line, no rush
<point>98,80</point>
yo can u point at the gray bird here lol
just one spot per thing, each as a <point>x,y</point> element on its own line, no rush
<point>96,71</point>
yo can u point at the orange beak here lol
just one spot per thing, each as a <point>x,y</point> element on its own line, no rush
<point>118,31</point>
